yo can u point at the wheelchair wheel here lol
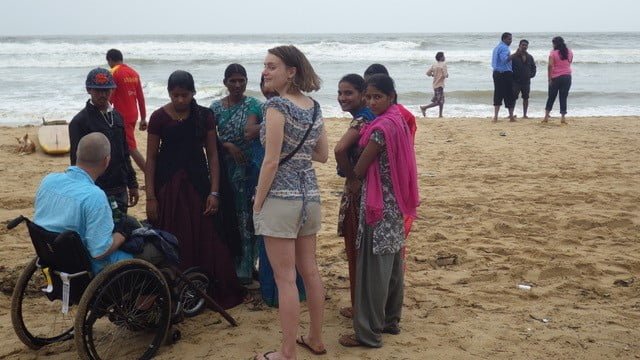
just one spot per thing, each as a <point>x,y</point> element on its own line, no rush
<point>124,313</point>
<point>191,302</point>
<point>36,320</point>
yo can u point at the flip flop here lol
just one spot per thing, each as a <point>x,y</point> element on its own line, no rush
<point>300,341</point>
<point>264,356</point>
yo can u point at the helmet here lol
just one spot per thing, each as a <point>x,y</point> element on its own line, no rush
<point>100,78</point>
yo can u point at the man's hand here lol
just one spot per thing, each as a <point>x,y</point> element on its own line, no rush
<point>143,125</point>
<point>134,196</point>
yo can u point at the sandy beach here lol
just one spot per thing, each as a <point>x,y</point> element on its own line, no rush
<point>554,207</point>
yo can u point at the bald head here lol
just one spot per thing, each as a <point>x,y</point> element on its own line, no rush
<point>93,148</point>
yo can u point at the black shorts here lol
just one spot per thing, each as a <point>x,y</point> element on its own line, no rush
<point>503,88</point>
<point>521,88</point>
<point>438,96</point>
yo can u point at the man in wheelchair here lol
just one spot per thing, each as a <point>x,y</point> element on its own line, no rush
<point>71,201</point>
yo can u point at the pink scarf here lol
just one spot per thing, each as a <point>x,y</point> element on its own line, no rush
<point>402,163</point>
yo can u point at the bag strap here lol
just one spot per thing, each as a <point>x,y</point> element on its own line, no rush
<point>316,106</point>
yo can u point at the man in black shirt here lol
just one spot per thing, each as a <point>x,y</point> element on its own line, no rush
<point>524,68</point>
<point>119,180</point>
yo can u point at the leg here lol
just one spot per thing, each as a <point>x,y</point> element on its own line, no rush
<point>138,158</point>
<point>440,107</point>
<point>509,98</point>
<point>553,93</point>
<point>281,254</point>
<point>393,308</point>
<point>374,273</point>
<point>565,85</point>
<point>497,96</point>
<point>305,257</point>
<point>526,90</point>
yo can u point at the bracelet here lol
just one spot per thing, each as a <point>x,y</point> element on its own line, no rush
<point>215,193</point>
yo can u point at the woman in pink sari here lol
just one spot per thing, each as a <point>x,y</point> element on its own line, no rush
<point>387,168</point>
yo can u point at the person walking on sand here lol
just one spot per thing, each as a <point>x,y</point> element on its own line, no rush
<point>559,74</point>
<point>524,68</point>
<point>439,72</point>
<point>286,211</point>
<point>503,76</point>
<point>127,98</point>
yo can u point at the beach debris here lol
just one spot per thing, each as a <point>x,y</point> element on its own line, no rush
<point>428,174</point>
<point>624,282</point>
<point>502,133</point>
<point>446,259</point>
<point>542,320</point>
<point>525,286</point>
<point>449,140</point>
<point>25,145</point>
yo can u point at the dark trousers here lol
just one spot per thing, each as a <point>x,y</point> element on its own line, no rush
<point>503,89</point>
<point>560,85</point>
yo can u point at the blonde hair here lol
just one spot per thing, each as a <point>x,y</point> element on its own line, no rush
<point>306,78</point>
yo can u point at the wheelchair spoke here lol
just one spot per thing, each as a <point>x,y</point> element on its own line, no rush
<point>128,316</point>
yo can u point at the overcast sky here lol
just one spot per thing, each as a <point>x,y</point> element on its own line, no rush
<point>87,17</point>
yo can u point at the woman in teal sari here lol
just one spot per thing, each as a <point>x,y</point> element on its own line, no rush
<point>238,118</point>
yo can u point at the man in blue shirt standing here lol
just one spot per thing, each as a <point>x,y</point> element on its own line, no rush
<point>503,77</point>
<point>72,201</point>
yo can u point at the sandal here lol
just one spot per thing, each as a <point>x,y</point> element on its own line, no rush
<point>350,341</point>
<point>300,341</point>
<point>264,356</point>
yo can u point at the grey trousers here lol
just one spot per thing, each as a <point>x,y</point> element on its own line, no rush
<point>379,294</point>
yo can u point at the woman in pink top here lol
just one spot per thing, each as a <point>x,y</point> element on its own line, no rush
<point>559,73</point>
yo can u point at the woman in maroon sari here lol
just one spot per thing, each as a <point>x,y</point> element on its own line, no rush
<point>182,180</point>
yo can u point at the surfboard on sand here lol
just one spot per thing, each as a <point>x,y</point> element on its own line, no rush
<point>53,137</point>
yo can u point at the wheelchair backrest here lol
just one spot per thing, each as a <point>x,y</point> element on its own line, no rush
<point>63,252</point>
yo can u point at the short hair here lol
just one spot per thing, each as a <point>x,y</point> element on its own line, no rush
<point>382,82</point>
<point>525,41</point>
<point>182,79</point>
<point>233,69</point>
<point>505,35</point>
<point>114,55</point>
<point>375,69</point>
<point>355,80</point>
<point>439,55</point>
<point>306,78</point>
<point>93,148</point>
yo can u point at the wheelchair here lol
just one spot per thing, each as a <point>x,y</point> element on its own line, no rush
<point>124,312</point>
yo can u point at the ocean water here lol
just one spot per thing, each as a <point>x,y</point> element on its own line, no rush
<point>44,76</point>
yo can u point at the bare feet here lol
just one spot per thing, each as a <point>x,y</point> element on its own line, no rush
<point>512,119</point>
<point>495,119</point>
<point>347,312</point>
<point>423,109</point>
<point>545,120</point>
<point>525,117</point>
